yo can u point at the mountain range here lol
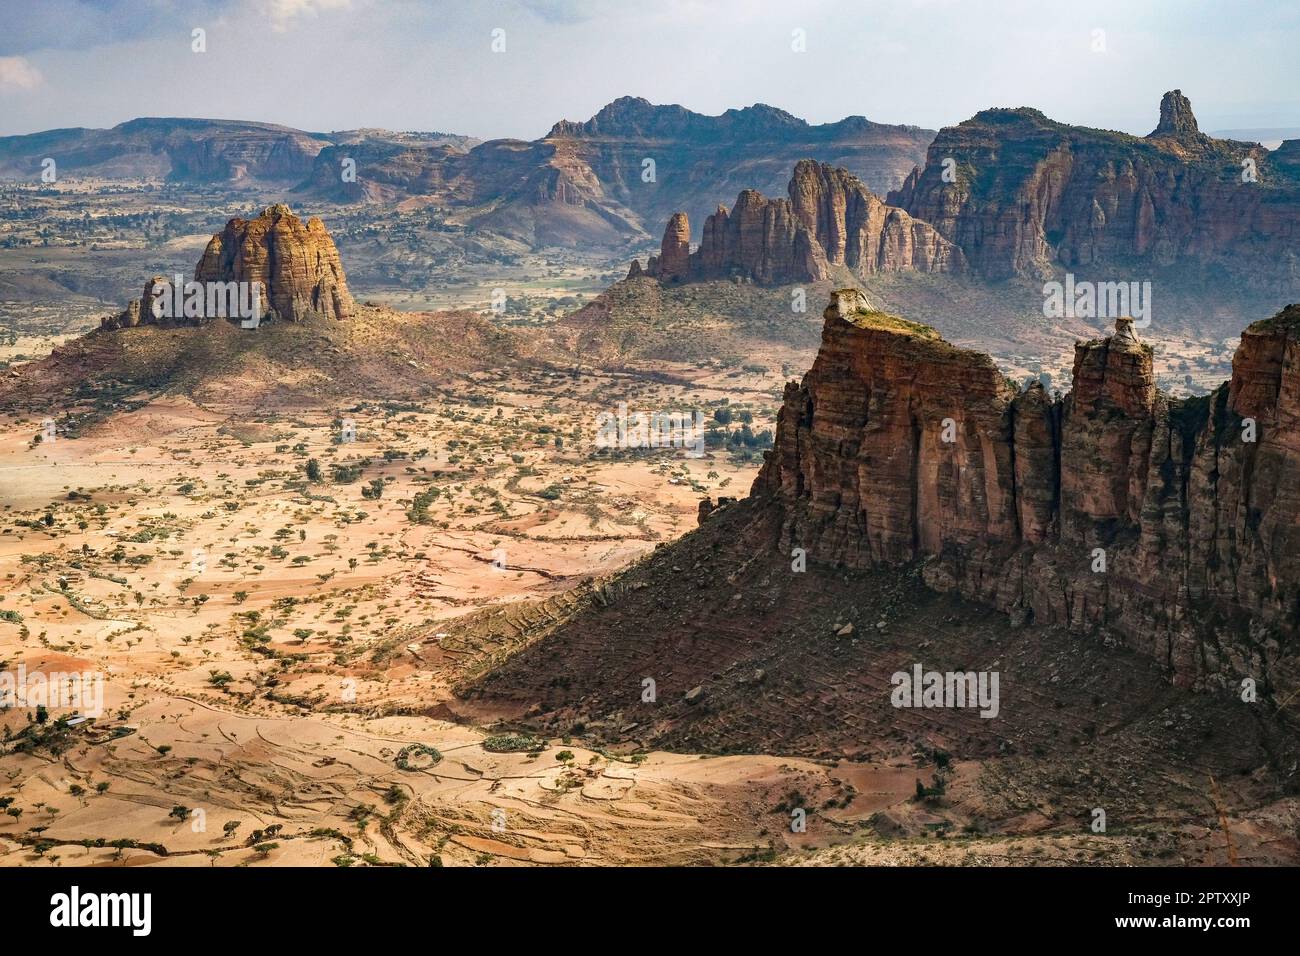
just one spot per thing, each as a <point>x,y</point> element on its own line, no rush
<point>1016,193</point>
<point>581,184</point>
<point>206,151</point>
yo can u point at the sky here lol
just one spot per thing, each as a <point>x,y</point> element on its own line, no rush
<point>326,65</point>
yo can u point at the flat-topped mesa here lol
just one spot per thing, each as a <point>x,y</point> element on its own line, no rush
<point>295,265</point>
<point>1174,524</point>
<point>830,219</point>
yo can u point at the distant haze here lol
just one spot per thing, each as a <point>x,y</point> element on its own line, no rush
<point>340,64</point>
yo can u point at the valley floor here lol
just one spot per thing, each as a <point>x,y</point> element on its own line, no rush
<point>271,649</point>
<point>287,620</point>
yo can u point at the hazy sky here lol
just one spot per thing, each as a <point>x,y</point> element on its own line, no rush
<point>428,64</point>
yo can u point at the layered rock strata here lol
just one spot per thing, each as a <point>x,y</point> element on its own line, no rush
<point>1023,195</point>
<point>1173,524</point>
<point>830,219</point>
<point>295,265</point>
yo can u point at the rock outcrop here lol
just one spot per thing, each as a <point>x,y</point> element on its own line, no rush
<point>1022,195</point>
<point>295,265</point>
<point>675,249</point>
<point>1171,524</point>
<point>1176,118</point>
<point>830,219</point>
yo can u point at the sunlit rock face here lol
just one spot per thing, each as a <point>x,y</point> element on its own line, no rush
<point>296,263</point>
<point>1023,195</point>
<point>830,219</point>
<point>1171,524</point>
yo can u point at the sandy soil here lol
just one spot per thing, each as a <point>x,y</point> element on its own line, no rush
<point>263,638</point>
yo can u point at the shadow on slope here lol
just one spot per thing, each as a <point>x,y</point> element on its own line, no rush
<point>750,656</point>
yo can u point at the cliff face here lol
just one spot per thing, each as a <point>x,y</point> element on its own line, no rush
<point>830,219</point>
<point>296,264</point>
<point>1024,195</point>
<point>386,171</point>
<point>1115,507</point>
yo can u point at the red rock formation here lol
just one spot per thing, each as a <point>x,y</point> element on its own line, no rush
<point>1176,117</point>
<point>1022,195</point>
<point>899,447</point>
<point>830,219</point>
<point>675,250</point>
<point>1104,454</point>
<point>296,266</point>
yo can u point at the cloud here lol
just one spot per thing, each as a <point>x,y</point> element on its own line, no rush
<point>560,11</point>
<point>283,12</point>
<point>32,25</point>
<point>17,74</point>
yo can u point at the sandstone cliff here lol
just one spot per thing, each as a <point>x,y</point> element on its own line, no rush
<point>296,265</point>
<point>830,219</point>
<point>1171,524</point>
<point>1024,195</point>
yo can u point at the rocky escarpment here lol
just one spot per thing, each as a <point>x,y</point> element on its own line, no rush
<point>830,219</point>
<point>617,176</point>
<point>1170,524</point>
<point>760,144</point>
<point>1024,195</point>
<point>177,149</point>
<point>383,170</point>
<point>295,265</point>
